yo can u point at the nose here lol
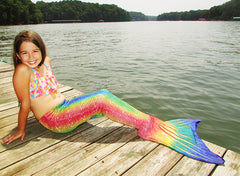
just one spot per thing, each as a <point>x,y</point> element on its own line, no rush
<point>30,56</point>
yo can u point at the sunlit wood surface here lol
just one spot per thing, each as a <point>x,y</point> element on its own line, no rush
<point>98,147</point>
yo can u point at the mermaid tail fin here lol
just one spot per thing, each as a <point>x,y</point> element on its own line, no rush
<point>180,135</point>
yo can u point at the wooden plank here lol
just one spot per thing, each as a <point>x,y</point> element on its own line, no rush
<point>8,84</point>
<point>6,97</point>
<point>7,93</point>
<point>9,112</point>
<point>48,139</point>
<point>231,166</point>
<point>55,146</point>
<point>3,64</point>
<point>5,67</point>
<point>7,74</point>
<point>122,159</point>
<point>10,100</point>
<point>5,106</point>
<point>9,120</point>
<point>84,158</point>
<point>5,80</point>
<point>33,130</point>
<point>189,166</point>
<point>64,88</point>
<point>158,162</point>
<point>7,90</point>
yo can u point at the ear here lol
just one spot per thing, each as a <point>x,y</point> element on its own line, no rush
<point>18,58</point>
<point>18,55</point>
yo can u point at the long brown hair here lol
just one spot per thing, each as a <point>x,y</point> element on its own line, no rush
<point>28,36</point>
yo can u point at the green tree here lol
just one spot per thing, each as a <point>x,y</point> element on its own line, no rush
<point>86,12</point>
<point>225,11</point>
<point>138,16</point>
<point>19,12</point>
<point>215,12</point>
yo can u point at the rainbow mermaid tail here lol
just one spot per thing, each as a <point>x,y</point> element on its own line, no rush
<point>179,134</point>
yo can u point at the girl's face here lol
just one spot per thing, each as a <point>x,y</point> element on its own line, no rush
<point>30,54</point>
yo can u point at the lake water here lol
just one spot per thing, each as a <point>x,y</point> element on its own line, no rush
<point>167,69</point>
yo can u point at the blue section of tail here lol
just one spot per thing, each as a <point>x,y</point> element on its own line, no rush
<point>187,142</point>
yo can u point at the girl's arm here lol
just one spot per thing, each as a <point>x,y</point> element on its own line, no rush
<point>21,80</point>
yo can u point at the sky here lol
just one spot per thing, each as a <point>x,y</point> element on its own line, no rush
<point>157,7</point>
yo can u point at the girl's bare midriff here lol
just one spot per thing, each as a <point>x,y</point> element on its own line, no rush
<point>46,103</point>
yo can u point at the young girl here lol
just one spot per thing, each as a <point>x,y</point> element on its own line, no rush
<point>36,89</point>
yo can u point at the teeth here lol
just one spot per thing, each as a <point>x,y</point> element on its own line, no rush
<point>33,62</point>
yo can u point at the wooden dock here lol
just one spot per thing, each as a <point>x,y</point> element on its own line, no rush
<point>98,147</point>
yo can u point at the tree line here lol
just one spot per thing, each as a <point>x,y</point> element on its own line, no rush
<point>26,12</point>
<point>86,12</point>
<point>19,12</point>
<point>138,16</point>
<point>225,11</point>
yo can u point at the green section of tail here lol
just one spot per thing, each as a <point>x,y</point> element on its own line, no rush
<point>187,142</point>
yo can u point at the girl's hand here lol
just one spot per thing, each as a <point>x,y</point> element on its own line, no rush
<point>13,136</point>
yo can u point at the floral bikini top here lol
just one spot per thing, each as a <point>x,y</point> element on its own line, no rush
<point>43,84</point>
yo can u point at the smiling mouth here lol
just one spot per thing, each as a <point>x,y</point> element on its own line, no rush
<point>32,62</point>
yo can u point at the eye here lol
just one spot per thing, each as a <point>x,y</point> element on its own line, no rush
<point>36,51</point>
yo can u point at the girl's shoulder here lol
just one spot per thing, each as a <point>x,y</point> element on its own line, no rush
<point>48,61</point>
<point>22,70</point>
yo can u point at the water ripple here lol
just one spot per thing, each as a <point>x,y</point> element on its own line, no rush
<point>167,69</point>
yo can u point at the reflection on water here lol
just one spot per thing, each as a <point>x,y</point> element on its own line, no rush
<point>168,69</point>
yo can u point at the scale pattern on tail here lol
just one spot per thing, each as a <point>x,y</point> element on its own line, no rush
<point>179,134</point>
